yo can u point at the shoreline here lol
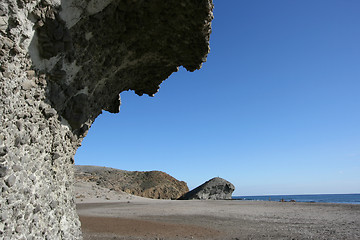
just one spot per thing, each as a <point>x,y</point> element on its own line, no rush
<point>289,201</point>
<point>348,198</point>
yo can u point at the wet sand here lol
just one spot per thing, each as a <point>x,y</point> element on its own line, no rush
<point>166,219</point>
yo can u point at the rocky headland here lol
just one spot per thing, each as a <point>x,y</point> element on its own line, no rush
<point>215,189</point>
<point>151,184</point>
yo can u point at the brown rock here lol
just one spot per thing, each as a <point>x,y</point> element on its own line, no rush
<point>153,184</point>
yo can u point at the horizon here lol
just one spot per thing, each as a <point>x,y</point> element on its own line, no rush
<point>274,108</point>
<point>304,194</point>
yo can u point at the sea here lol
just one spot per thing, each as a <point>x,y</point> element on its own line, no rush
<point>311,198</point>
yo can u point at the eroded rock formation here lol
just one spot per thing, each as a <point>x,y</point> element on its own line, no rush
<point>214,189</point>
<point>61,63</point>
<point>151,184</point>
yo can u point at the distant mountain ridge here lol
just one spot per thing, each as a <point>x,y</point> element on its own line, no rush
<point>151,184</point>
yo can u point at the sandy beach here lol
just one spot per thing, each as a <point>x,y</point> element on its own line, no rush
<point>140,218</point>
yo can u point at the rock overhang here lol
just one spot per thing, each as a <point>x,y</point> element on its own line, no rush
<point>61,63</point>
<point>115,46</point>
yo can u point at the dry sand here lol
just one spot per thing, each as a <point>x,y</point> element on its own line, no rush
<point>129,217</point>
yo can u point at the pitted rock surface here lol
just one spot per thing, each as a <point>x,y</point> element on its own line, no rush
<point>62,62</point>
<point>214,189</point>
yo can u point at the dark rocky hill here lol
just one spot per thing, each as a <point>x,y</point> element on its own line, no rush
<point>152,184</point>
<point>214,189</point>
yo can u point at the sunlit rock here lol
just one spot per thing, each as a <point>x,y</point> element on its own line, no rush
<point>214,189</point>
<point>62,62</point>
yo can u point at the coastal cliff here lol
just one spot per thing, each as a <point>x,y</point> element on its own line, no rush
<point>62,62</point>
<point>151,184</point>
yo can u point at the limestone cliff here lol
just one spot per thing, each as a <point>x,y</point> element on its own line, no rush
<point>151,184</point>
<point>62,62</point>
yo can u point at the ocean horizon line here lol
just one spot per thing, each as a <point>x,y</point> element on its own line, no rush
<point>346,198</point>
<point>297,194</point>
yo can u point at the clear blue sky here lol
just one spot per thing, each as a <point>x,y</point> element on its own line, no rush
<point>274,110</point>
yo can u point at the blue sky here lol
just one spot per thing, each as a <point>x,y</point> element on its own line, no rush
<point>274,110</point>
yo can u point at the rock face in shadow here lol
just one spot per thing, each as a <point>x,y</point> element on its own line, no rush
<point>152,184</point>
<point>62,62</point>
<point>214,189</point>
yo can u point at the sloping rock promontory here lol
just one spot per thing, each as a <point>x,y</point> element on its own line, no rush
<point>214,189</point>
<point>151,184</point>
<point>62,62</point>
